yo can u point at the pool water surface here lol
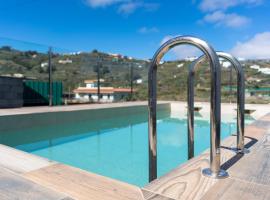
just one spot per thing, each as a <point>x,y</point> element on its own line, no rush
<point>116,147</point>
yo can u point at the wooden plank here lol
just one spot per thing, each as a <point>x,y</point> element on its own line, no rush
<point>13,187</point>
<point>255,132</point>
<point>187,182</point>
<point>231,189</point>
<point>263,144</point>
<point>255,167</point>
<point>83,185</point>
<point>152,196</point>
<point>266,118</point>
<point>262,124</point>
<point>19,161</point>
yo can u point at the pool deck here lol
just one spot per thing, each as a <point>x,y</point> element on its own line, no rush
<point>26,176</point>
<point>249,175</point>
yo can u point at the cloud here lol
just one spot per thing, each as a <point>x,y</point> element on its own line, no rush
<point>220,18</point>
<point>213,5</point>
<point>146,30</point>
<point>131,6</point>
<point>125,7</point>
<point>217,12</point>
<point>183,51</point>
<point>150,6</point>
<point>257,47</point>
<point>102,3</point>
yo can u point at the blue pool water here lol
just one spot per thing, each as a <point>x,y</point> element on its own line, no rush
<point>116,148</point>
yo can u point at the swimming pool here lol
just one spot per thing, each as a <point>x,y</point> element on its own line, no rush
<point>115,146</point>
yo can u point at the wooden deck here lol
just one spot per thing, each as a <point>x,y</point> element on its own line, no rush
<point>25,176</point>
<point>83,185</point>
<point>13,187</point>
<point>251,173</point>
<point>19,161</point>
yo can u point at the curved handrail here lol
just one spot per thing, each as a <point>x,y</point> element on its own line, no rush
<point>240,100</point>
<point>214,170</point>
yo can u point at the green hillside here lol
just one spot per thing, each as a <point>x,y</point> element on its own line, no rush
<point>172,76</point>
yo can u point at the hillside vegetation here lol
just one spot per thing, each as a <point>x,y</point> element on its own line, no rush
<point>73,69</point>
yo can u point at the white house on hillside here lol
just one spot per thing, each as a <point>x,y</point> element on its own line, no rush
<point>255,67</point>
<point>226,64</point>
<point>262,70</point>
<point>66,61</point>
<point>44,64</point>
<point>191,59</point>
<point>107,94</point>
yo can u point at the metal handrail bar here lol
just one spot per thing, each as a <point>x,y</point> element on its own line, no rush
<point>214,171</point>
<point>240,101</point>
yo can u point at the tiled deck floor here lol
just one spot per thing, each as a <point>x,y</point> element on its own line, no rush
<point>24,176</point>
<point>250,173</point>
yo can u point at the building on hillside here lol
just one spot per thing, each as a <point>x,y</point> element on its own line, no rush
<point>44,64</point>
<point>180,65</point>
<point>253,80</point>
<point>191,58</point>
<point>225,64</point>
<point>139,81</point>
<point>255,67</point>
<point>161,62</point>
<point>66,61</point>
<point>264,71</point>
<point>107,94</point>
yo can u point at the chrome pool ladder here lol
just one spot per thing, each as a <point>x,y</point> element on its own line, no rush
<point>215,100</point>
<point>240,102</point>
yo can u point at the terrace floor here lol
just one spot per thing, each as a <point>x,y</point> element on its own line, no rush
<point>249,175</point>
<point>26,176</point>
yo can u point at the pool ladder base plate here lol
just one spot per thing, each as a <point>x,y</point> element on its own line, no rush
<point>220,175</point>
<point>241,151</point>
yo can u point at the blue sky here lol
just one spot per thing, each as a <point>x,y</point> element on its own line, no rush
<point>138,27</point>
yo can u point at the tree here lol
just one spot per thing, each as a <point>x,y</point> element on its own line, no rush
<point>136,76</point>
<point>6,48</point>
<point>102,69</point>
<point>95,51</point>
